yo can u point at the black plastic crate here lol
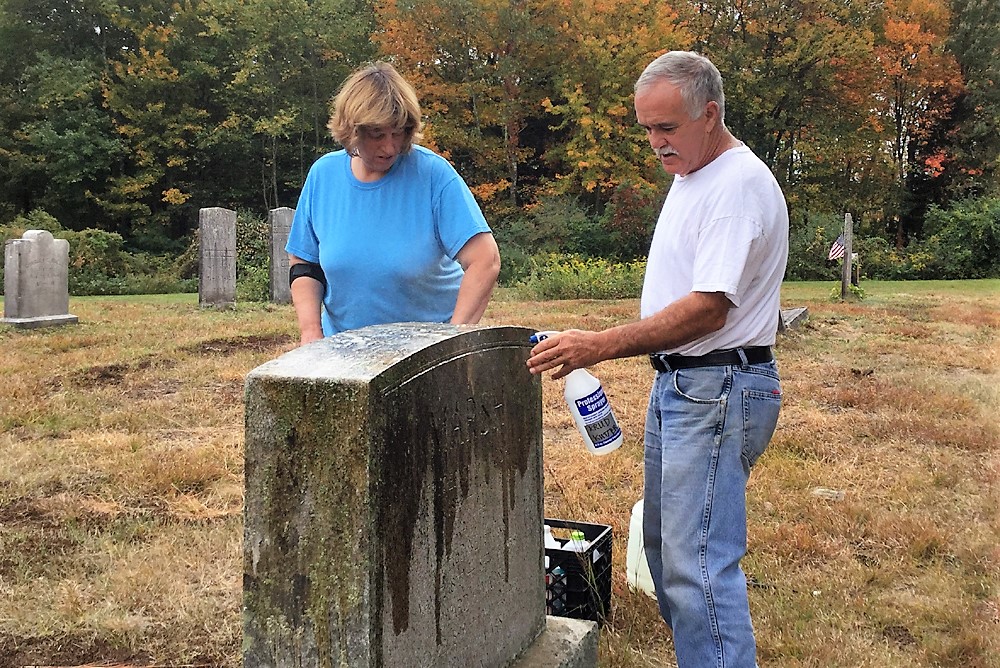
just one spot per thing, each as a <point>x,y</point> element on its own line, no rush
<point>578,584</point>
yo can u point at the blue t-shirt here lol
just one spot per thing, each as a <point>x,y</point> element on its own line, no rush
<point>387,247</point>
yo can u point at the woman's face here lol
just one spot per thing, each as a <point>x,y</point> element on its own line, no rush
<point>378,147</point>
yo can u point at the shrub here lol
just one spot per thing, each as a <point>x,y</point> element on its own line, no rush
<point>630,219</point>
<point>515,263</point>
<point>558,276</point>
<point>253,258</point>
<point>98,252</point>
<point>809,246</point>
<point>99,263</point>
<point>36,219</point>
<point>967,238</point>
<point>553,224</point>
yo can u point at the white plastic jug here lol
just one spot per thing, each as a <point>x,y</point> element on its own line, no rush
<point>636,567</point>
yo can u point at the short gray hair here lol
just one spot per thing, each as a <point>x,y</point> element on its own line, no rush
<point>697,78</point>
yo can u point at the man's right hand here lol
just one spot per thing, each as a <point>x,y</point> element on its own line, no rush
<point>569,350</point>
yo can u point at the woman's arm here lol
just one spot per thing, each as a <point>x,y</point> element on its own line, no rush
<point>480,258</point>
<point>307,297</point>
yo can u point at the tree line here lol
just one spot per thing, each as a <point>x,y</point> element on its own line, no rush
<point>128,116</point>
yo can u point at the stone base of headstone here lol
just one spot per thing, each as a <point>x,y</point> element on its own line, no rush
<point>564,643</point>
<point>41,321</point>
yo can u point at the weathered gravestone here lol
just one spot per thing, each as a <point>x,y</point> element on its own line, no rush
<point>279,224</point>
<point>394,505</point>
<point>36,281</point>
<point>216,257</point>
<point>793,317</point>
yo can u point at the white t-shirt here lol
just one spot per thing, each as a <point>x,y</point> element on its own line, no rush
<point>723,228</point>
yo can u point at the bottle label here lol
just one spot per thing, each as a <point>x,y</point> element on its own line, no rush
<point>597,418</point>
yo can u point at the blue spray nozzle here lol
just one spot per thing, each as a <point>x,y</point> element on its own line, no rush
<point>541,336</point>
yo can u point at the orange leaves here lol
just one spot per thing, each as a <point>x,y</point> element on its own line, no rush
<point>487,191</point>
<point>934,164</point>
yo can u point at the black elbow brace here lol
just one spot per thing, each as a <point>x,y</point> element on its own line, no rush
<point>310,269</point>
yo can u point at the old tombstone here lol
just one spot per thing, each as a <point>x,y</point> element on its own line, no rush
<point>791,318</point>
<point>279,223</point>
<point>217,257</point>
<point>36,281</point>
<point>393,509</point>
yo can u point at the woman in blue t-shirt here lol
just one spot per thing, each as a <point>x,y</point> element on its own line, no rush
<point>385,230</point>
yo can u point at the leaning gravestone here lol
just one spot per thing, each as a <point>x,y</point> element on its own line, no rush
<point>36,281</point>
<point>394,505</point>
<point>279,224</point>
<point>793,317</point>
<point>217,257</point>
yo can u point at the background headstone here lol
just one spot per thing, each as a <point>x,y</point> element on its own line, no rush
<point>393,509</point>
<point>279,224</point>
<point>36,281</point>
<point>217,257</point>
<point>791,318</point>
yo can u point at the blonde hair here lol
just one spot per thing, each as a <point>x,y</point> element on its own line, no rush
<point>376,95</point>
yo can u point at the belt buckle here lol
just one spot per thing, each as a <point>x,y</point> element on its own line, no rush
<point>662,359</point>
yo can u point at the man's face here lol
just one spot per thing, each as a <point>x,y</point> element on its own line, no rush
<point>681,142</point>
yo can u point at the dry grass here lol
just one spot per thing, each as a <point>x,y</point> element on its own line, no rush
<point>121,489</point>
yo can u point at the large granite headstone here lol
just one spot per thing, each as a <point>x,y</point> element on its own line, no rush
<point>217,257</point>
<point>393,509</point>
<point>36,281</point>
<point>279,224</point>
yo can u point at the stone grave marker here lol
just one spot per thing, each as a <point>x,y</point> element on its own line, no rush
<point>791,318</point>
<point>216,257</point>
<point>393,511</point>
<point>36,281</point>
<point>279,224</point>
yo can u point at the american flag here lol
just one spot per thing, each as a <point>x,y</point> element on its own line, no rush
<point>837,249</point>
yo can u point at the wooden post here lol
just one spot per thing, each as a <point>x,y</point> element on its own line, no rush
<point>845,273</point>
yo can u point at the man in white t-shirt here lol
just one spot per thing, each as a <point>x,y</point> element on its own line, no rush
<point>710,309</point>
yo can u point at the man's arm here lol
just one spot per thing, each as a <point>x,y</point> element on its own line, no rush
<point>687,319</point>
<point>307,297</point>
<point>480,258</point>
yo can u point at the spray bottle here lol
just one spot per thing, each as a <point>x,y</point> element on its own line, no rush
<point>590,408</point>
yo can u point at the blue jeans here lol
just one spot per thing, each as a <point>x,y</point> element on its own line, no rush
<point>705,429</point>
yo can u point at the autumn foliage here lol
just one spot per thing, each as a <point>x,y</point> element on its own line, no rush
<point>128,118</point>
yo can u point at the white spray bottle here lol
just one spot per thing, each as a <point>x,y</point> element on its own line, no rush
<point>590,408</point>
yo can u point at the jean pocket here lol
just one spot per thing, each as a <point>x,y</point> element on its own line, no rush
<point>760,416</point>
<point>707,384</point>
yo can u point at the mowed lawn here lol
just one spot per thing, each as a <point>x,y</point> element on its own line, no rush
<point>874,515</point>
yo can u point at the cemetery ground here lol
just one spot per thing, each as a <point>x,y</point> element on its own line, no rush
<point>121,480</point>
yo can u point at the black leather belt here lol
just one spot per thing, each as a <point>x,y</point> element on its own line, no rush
<point>752,355</point>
